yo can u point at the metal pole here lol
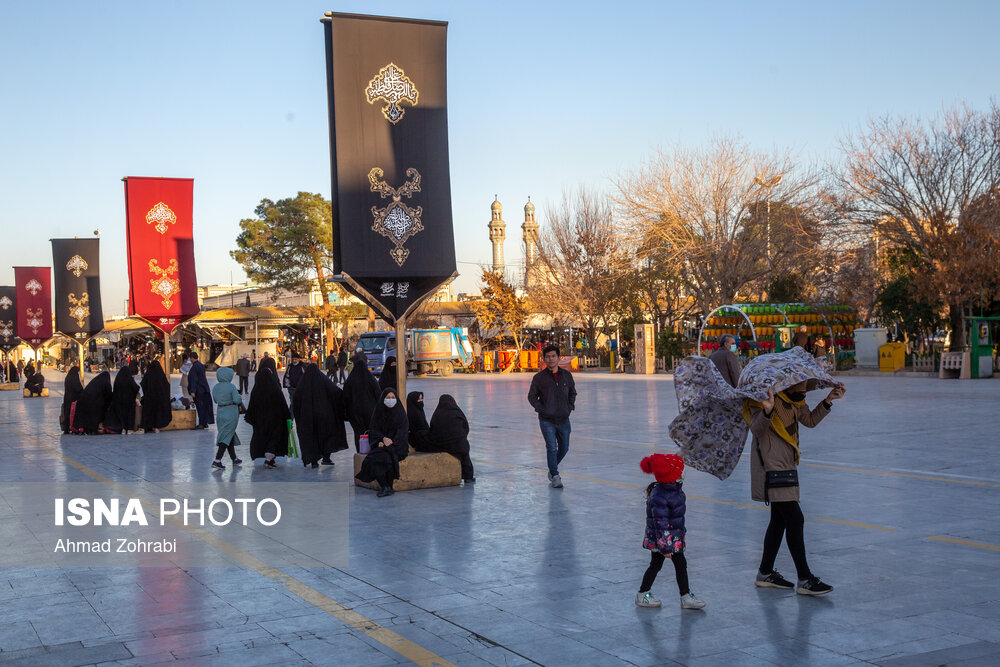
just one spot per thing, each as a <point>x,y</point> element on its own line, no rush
<point>82,364</point>
<point>256,340</point>
<point>166,355</point>
<point>401,361</point>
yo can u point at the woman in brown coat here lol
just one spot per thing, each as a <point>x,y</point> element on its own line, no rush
<point>774,458</point>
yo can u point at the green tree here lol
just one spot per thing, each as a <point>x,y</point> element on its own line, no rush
<point>289,245</point>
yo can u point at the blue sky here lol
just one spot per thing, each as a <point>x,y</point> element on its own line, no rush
<point>543,97</point>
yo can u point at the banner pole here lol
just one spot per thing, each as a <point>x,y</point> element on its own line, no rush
<point>401,361</point>
<point>82,357</point>
<point>166,355</point>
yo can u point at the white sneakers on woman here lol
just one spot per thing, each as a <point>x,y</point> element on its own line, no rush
<point>688,601</point>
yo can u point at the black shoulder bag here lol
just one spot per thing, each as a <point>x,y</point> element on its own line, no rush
<point>774,479</point>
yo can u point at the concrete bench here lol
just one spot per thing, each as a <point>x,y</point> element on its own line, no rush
<point>180,420</point>
<point>419,471</point>
<point>956,365</point>
<point>9,386</point>
<point>28,394</point>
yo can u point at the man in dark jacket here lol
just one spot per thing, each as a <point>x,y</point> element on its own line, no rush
<point>243,373</point>
<point>342,364</point>
<point>553,396</point>
<point>725,359</point>
<point>293,374</point>
<point>200,392</point>
<point>331,367</point>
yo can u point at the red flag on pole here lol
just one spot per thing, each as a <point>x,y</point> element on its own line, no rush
<point>163,289</point>
<point>34,304</point>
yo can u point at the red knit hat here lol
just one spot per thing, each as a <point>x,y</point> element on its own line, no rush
<point>667,468</point>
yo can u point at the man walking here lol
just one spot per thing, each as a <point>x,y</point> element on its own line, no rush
<point>200,392</point>
<point>725,359</point>
<point>293,374</point>
<point>243,373</point>
<point>553,396</point>
<point>342,365</point>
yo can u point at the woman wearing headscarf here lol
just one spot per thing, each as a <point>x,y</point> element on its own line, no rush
<point>387,378</point>
<point>268,414</point>
<point>156,411</point>
<point>185,369</point>
<point>121,414</point>
<point>12,373</point>
<point>227,417</point>
<point>388,432</point>
<point>361,394</point>
<point>93,404</point>
<point>318,407</point>
<point>72,389</point>
<point>420,430</point>
<point>34,382</point>
<point>450,433</point>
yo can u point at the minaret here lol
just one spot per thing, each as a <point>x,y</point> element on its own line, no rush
<point>498,233</point>
<point>529,232</point>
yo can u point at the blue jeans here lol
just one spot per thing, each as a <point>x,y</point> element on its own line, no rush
<point>556,442</point>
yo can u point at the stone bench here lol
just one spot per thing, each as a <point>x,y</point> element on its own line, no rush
<point>10,386</point>
<point>419,471</point>
<point>28,394</point>
<point>180,420</point>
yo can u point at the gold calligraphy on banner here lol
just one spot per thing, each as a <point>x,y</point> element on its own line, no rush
<point>77,265</point>
<point>34,321</point>
<point>397,221</point>
<point>34,287</point>
<point>79,309</point>
<point>163,285</point>
<point>159,216</point>
<point>393,86</point>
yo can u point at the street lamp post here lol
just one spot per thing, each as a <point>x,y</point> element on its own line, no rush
<point>767,184</point>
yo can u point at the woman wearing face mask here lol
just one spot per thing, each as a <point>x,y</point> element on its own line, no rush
<point>725,359</point>
<point>774,458</point>
<point>388,433</point>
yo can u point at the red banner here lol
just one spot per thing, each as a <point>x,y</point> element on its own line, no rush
<point>34,304</point>
<point>163,289</point>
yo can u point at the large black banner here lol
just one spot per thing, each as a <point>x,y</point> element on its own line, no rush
<point>76,270</point>
<point>392,225</point>
<point>8,319</point>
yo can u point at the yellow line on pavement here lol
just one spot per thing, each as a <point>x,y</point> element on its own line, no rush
<point>964,543</point>
<point>731,503</point>
<point>911,475</point>
<point>401,645</point>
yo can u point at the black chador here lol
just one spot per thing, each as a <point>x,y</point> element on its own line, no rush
<point>72,388</point>
<point>156,411</point>
<point>360,396</point>
<point>268,413</point>
<point>120,417</point>
<point>318,408</point>
<point>382,464</point>
<point>93,404</point>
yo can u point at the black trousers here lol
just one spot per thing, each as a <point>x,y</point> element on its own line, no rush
<point>656,562</point>
<point>244,384</point>
<point>787,520</point>
<point>223,448</point>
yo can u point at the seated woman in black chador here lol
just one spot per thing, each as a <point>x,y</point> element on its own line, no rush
<point>121,414</point>
<point>93,404</point>
<point>450,433</point>
<point>388,434</point>
<point>72,389</point>
<point>34,382</point>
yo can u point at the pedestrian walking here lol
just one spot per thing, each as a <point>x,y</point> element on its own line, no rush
<point>553,396</point>
<point>342,365</point>
<point>361,392</point>
<point>318,408</point>
<point>230,406</point>
<point>666,534</point>
<point>725,359</point>
<point>330,365</point>
<point>292,375</point>
<point>801,338</point>
<point>774,459</point>
<point>243,373</point>
<point>253,361</point>
<point>200,392</point>
<point>269,415</point>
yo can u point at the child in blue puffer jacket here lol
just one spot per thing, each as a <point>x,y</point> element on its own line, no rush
<point>665,533</point>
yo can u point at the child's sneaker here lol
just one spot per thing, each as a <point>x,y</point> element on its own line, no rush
<point>813,586</point>
<point>646,600</point>
<point>218,465</point>
<point>689,601</point>
<point>773,580</point>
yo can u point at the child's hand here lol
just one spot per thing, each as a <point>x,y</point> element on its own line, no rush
<point>768,403</point>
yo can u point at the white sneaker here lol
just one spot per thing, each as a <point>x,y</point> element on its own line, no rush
<point>646,600</point>
<point>557,482</point>
<point>689,601</point>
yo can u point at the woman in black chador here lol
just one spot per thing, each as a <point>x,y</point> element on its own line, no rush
<point>156,411</point>
<point>318,407</point>
<point>72,389</point>
<point>268,413</point>
<point>120,417</point>
<point>93,404</point>
<point>388,433</point>
<point>387,378</point>
<point>450,433</point>
<point>361,394</point>
<point>420,430</point>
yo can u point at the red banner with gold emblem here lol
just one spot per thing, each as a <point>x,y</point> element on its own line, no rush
<point>163,289</point>
<point>34,304</point>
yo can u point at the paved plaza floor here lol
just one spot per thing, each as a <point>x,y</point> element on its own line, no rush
<point>900,485</point>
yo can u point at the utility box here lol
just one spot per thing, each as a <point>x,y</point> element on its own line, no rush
<point>783,339</point>
<point>645,350</point>
<point>867,343</point>
<point>981,346</point>
<point>892,357</point>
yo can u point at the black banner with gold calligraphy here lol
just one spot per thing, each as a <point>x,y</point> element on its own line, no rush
<point>8,319</point>
<point>392,219</point>
<point>76,273</point>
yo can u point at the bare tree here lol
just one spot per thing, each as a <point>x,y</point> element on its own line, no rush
<point>581,252</point>
<point>726,215</point>
<point>930,187</point>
